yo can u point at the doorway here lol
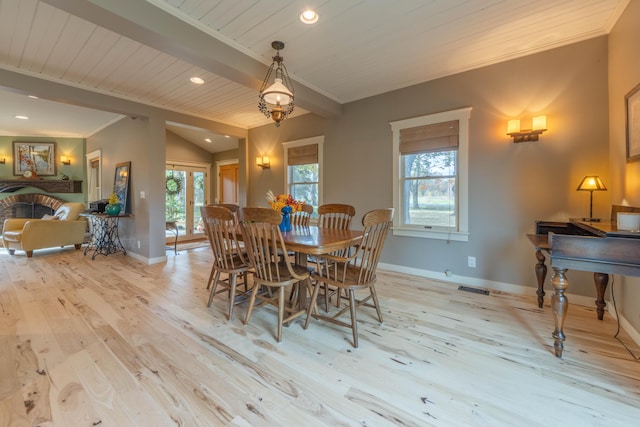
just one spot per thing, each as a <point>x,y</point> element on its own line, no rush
<point>185,192</point>
<point>94,176</point>
<point>228,186</point>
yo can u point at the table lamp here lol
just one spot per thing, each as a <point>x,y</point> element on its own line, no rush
<point>591,183</point>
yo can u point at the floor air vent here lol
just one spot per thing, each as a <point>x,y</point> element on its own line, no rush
<point>474,290</point>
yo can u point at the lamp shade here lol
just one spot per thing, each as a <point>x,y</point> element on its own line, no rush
<point>513,126</point>
<point>591,183</point>
<point>539,123</point>
<point>277,93</point>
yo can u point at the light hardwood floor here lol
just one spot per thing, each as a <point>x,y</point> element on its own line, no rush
<point>114,342</point>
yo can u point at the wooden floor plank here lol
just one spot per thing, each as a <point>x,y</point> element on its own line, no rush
<point>116,342</point>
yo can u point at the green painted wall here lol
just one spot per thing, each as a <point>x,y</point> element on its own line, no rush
<point>74,148</point>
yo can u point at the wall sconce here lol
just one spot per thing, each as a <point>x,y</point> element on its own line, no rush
<point>538,125</point>
<point>263,162</point>
<point>65,160</point>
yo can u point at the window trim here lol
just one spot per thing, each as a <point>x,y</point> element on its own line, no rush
<point>319,140</point>
<point>462,235</point>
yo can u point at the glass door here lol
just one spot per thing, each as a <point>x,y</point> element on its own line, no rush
<point>185,193</point>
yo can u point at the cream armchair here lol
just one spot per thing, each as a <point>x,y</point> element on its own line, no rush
<point>64,228</point>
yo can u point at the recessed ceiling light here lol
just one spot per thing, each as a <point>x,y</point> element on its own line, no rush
<point>22,117</point>
<point>196,80</point>
<point>208,139</point>
<point>32,96</point>
<point>309,16</point>
<point>227,136</point>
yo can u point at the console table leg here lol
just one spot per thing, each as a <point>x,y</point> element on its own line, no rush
<point>601,280</point>
<point>559,305</point>
<point>541,274</point>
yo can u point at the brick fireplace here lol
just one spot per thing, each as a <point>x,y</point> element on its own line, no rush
<point>32,205</point>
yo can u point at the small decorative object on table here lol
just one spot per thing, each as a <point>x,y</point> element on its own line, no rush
<point>286,204</point>
<point>113,208</point>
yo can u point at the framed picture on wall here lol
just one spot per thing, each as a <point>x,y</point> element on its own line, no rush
<point>632,105</point>
<point>32,159</point>
<point>121,184</point>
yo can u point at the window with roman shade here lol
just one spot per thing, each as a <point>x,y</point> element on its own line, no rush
<point>304,170</point>
<point>430,162</point>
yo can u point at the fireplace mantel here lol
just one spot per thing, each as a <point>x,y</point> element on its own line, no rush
<point>48,185</point>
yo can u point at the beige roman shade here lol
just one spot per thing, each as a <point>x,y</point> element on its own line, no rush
<point>434,137</point>
<point>302,155</point>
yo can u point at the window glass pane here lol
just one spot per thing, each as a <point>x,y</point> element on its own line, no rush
<point>304,173</point>
<point>198,201</point>
<point>429,189</point>
<point>176,198</point>
<point>303,183</point>
<point>440,163</point>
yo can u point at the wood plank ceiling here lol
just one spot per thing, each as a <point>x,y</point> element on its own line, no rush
<point>147,51</point>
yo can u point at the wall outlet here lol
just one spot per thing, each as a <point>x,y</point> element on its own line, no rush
<point>142,195</point>
<point>448,273</point>
<point>138,244</point>
<point>471,261</point>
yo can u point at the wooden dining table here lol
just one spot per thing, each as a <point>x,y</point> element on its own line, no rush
<point>313,240</point>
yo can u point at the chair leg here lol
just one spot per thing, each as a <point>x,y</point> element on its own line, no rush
<point>280,312</point>
<point>252,300</point>
<point>232,296</point>
<point>213,269</point>
<point>354,323</point>
<point>312,303</point>
<point>213,289</point>
<point>375,300</point>
<point>326,297</point>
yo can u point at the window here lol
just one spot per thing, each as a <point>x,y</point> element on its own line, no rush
<point>303,177</point>
<point>430,162</point>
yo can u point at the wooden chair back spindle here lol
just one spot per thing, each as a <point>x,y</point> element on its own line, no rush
<point>336,215</point>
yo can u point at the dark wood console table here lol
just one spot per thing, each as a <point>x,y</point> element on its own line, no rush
<point>600,248</point>
<point>48,185</point>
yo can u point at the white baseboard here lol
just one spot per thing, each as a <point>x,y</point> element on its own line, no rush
<point>146,260</point>
<point>509,288</point>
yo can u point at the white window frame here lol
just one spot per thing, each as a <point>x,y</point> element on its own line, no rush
<point>319,140</point>
<point>462,234</point>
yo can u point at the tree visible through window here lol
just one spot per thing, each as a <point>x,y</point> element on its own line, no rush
<point>304,183</point>
<point>429,189</point>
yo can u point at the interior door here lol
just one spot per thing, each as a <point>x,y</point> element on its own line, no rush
<point>185,193</point>
<point>229,183</point>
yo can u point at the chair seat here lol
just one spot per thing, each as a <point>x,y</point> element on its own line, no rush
<point>348,277</point>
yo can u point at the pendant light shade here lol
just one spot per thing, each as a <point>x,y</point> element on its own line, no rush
<point>276,99</point>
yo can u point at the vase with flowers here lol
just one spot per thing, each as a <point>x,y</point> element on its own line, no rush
<point>286,204</point>
<point>113,208</point>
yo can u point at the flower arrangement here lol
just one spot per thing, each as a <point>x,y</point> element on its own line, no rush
<point>113,199</point>
<point>277,202</point>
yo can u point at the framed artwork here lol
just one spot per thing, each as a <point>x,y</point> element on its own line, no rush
<point>32,159</point>
<point>632,104</point>
<point>121,184</point>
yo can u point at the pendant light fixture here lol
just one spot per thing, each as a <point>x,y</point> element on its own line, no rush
<point>276,99</point>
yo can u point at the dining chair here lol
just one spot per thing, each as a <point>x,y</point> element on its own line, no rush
<point>228,257</point>
<point>263,243</point>
<point>303,217</point>
<point>338,216</point>
<point>355,272</point>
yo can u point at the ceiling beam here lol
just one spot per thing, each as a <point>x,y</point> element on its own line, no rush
<point>147,24</point>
